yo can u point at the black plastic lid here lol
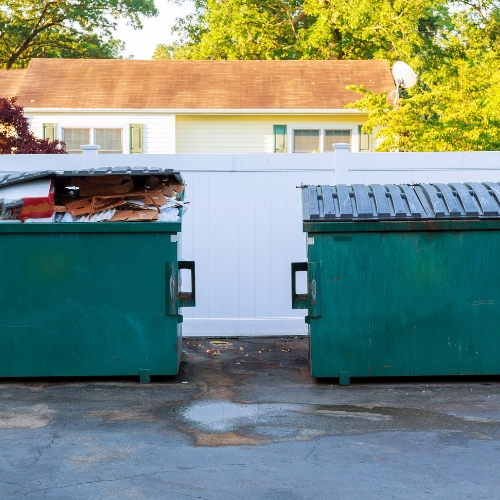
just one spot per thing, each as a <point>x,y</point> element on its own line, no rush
<point>359,202</point>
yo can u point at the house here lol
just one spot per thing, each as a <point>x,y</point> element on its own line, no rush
<point>129,106</point>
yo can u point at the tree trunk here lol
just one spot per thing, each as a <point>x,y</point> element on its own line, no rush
<point>337,36</point>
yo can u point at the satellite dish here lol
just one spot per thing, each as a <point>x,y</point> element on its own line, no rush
<point>404,76</point>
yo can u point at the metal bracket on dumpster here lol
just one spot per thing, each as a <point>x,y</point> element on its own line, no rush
<point>187,299</point>
<point>313,288</point>
<point>171,287</point>
<point>174,297</point>
<point>299,300</point>
<point>312,299</point>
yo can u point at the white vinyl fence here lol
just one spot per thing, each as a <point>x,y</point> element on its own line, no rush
<point>243,227</point>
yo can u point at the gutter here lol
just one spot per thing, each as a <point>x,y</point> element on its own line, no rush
<point>226,111</point>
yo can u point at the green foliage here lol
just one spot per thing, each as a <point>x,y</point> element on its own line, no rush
<point>309,29</point>
<point>64,28</point>
<point>456,104</point>
<point>164,52</point>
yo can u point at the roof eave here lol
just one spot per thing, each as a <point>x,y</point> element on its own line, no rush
<point>228,111</point>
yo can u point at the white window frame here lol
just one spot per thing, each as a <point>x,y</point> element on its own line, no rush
<point>70,127</point>
<point>322,126</point>
<point>94,140</point>
<point>337,128</point>
<point>321,138</point>
<point>61,125</point>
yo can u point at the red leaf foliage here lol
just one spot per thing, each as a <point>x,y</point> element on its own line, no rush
<point>16,136</point>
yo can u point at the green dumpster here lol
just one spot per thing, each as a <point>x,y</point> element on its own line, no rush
<point>91,299</point>
<point>402,280</point>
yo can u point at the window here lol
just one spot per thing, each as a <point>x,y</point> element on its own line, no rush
<point>306,141</point>
<point>76,137</point>
<point>110,140</point>
<point>279,138</point>
<point>334,137</point>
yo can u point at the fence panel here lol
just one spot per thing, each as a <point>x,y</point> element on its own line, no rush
<point>243,228</point>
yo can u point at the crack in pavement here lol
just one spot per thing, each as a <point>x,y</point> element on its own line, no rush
<point>17,484</point>
<point>42,449</point>
<point>177,469</point>
<point>312,451</point>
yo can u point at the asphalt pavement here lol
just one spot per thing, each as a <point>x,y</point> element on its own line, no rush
<point>244,419</point>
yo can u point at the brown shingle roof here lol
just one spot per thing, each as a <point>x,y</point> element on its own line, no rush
<point>124,84</point>
<point>10,81</point>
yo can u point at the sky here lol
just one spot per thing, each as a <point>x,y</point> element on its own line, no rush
<point>142,43</point>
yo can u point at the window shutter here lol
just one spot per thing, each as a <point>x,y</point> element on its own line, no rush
<point>136,138</point>
<point>365,140</point>
<point>279,138</point>
<point>49,131</point>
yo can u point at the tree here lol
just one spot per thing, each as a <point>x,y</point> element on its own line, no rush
<point>164,52</point>
<point>64,28</point>
<point>308,29</point>
<point>456,104</point>
<point>15,135</point>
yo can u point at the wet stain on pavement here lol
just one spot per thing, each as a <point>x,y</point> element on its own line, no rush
<point>255,392</point>
<point>202,438</point>
<point>25,417</point>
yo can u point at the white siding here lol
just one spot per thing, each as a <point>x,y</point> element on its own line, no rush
<point>250,134</point>
<point>158,129</point>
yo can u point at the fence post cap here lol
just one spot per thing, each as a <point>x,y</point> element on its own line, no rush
<point>89,147</point>
<point>341,145</point>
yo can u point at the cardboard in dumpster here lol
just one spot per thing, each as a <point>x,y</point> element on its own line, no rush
<point>134,215</point>
<point>31,199</point>
<point>155,198</point>
<point>136,200</point>
<point>92,182</point>
<point>95,197</point>
<point>107,190</point>
<point>101,206</point>
<point>172,190</point>
<point>78,207</point>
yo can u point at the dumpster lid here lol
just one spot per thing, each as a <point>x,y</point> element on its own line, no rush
<point>360,202</point>
<point>8,179</point>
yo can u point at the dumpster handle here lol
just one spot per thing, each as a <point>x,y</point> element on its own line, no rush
<point>314,289</point>
<point>188,299</point>
<point>299,300</point>
<point>171,288</point>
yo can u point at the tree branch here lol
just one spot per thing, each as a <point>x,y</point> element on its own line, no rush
<point>296,20</point>
<point>13,58</point>
<point>37,29</point>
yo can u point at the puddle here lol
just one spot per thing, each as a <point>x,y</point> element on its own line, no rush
<point>223,416</point>
<point>349,414</point>
<point>276,432</point>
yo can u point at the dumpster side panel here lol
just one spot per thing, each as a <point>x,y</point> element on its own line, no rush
<point>407,303</point>
<point>75,304</point>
